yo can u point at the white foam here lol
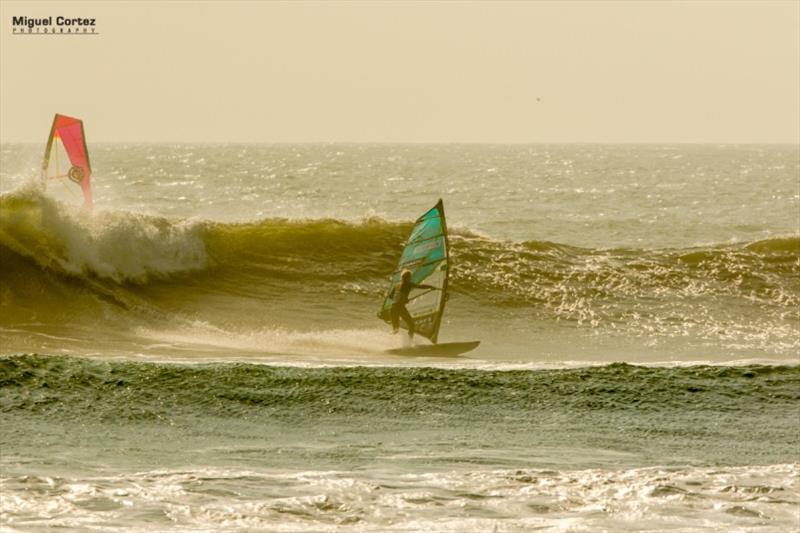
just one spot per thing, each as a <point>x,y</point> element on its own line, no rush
<point>198,341</point>
<point>654,498</point>
<point>117,245</point>
<point>203,337</point>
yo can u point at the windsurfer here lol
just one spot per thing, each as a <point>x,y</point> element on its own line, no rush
<point>399,296</point>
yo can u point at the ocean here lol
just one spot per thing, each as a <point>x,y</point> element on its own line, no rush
<point>201,351</point>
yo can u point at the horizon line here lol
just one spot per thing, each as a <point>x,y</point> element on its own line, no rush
<point>484,143</point>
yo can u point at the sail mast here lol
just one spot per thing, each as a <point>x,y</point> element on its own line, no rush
<point>438,322</point>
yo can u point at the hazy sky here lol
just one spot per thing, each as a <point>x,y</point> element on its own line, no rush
<point>419,72</point>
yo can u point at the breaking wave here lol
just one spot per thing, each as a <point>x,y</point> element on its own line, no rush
<point>139,261</point>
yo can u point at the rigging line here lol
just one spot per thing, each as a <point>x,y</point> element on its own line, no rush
<point>73,193</point>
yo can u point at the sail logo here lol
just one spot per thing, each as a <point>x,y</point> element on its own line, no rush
<point>426,247</point>
<point>54,26</point>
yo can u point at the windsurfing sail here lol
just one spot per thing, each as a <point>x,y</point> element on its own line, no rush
<point>67,157</point>
<point>427,257</point>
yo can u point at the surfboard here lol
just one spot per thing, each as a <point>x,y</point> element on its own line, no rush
<point>445,349</point>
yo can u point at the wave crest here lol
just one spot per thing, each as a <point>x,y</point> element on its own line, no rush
<point>120,246</point>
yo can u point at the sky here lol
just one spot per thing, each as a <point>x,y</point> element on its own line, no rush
<point>491,72</point>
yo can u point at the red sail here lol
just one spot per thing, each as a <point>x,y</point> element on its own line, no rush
<point>70,131</point>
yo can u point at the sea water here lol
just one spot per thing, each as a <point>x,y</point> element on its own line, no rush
<point>201,351</point>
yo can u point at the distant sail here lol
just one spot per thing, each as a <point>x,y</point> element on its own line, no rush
<point>69,131</point>
<point>426,256</point>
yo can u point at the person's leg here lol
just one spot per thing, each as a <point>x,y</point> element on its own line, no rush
<point>395,312</point>
<point>408,320</point>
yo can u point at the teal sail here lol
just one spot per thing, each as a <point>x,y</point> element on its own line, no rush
<point>426,255</point>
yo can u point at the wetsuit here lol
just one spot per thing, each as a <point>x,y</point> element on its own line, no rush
<point>399,297</point>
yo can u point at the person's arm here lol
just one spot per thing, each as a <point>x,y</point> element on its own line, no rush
<point>423,286</point>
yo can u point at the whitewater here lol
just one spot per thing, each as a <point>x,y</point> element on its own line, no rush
<point>201,351</point>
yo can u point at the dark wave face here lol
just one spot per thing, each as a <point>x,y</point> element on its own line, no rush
<point>116,271</point>
<point>708,406</point>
